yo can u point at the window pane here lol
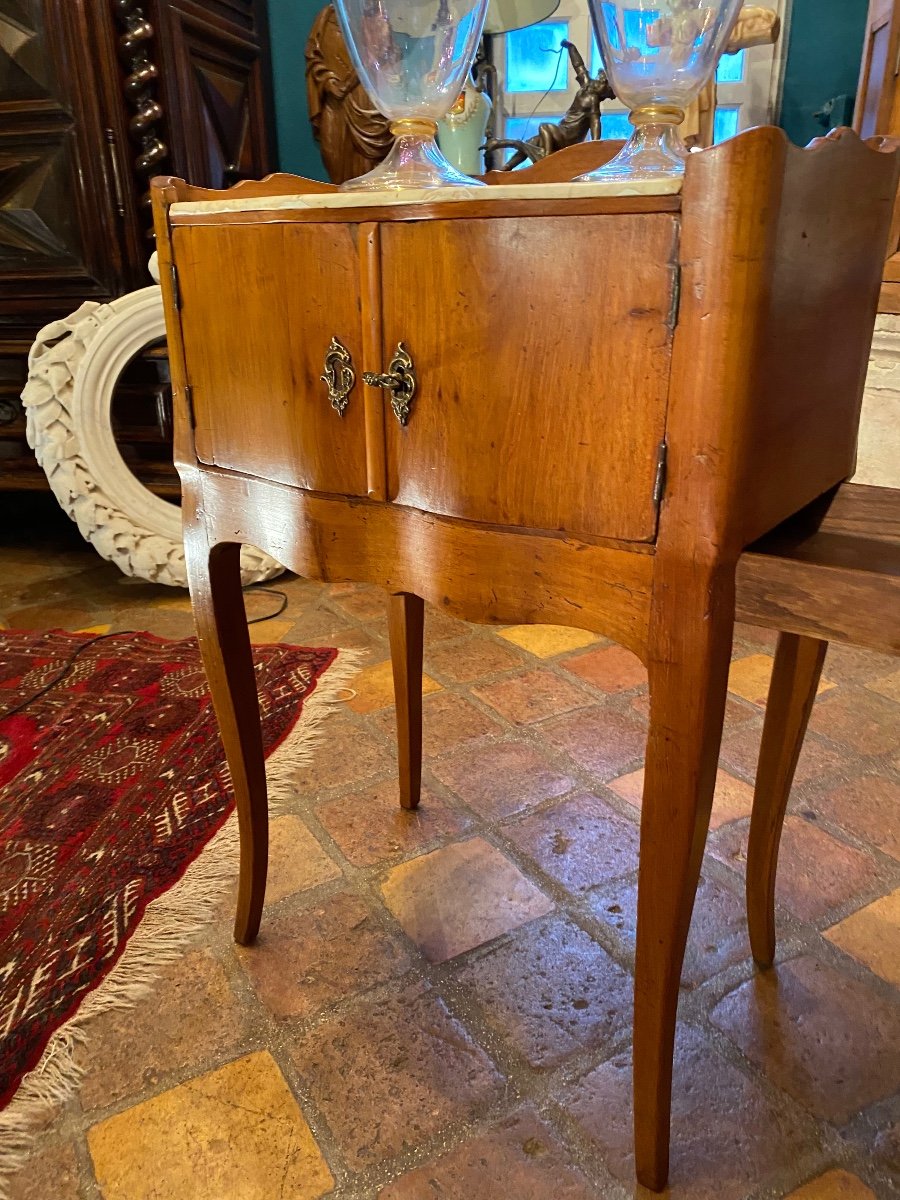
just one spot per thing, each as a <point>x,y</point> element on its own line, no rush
<point>615,125</point>
<point>726,123</point>
<point>596,57</point>
<point>637,22</point>
<point>523,128</point>
<point>731,68</point>
<point>534,62</point>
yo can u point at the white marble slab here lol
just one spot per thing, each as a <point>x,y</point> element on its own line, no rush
<point>500,191</point>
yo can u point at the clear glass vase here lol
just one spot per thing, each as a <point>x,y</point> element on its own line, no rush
<point>658,55</point>
<point>412,57</point>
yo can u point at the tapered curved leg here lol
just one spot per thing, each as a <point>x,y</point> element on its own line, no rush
<point>690,650</point>
<point>214,579</point>
<point>406,626</point>
<point>792,692</point>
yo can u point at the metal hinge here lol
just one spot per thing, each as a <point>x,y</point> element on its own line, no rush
<point>176,290</point>
<point>659,479</point>
<point>675,307</point>
<point>189,400</point>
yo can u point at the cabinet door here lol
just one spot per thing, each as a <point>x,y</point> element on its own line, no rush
<point>259,307</point>
<point>541,347</point>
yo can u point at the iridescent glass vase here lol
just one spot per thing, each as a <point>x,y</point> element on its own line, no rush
<point>412,57</point>
<point>658,54</point>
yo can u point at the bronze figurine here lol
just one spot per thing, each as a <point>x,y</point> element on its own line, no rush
<point>582,117</point>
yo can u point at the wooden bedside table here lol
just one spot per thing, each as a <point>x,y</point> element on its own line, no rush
<point>576,411</point>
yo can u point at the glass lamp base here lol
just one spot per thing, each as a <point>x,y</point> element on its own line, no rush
<point>414,161</point>
<point>655,150</point>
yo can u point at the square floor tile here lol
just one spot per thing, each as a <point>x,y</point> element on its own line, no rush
<point>819,1034</point>
<point>347,753</point>
<point>546,641</point>
<point>888,685</point>
<point>550,991</point>
<point>733,798</point>
<point>503,778</point>
<point>729,1138</point>
<point>410,1068</point>
<point>370,826</point>
<point>718,935</point>
<point>51,1173</point>
<point>449,721</point>
<point>580,842</point>
<point>872,936</point>
<point>229,1133</point>
<point>471,659</point>
<point>740,754</point>
<point>190,1017</point>
<point>611,668</point>
<point>374,688</point>
<point>306,961</point>
<point>859,719</point>
<point>816,872</point>
<point>749,678</point>
<point>460,896</point>
<point>868,807</point>
<point>519,1159</point>
<point>600,740</point>
<point>532,696</point>
<point>833,1185</point>
<point>296,860</point>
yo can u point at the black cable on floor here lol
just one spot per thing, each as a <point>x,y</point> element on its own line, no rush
<point>70,663</point>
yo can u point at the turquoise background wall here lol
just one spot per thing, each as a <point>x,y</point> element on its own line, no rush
<point>289,24</point>
<point>824,51</point>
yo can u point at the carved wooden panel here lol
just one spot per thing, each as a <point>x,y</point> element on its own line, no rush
<point>96,97</point>
<point>218,76</point>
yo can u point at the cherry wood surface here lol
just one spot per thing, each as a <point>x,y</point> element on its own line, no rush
<point>831,573</point>
<point>552,438</point>
<point>759,418</point>
<point>296,436</point>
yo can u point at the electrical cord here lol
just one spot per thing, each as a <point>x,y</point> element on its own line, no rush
<point>68,666</point>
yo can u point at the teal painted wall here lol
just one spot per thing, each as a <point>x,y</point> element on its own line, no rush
<point>289,24</point>
<point>824,52</point>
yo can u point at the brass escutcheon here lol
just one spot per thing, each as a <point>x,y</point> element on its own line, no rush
<point>339,376</point>
<point>399,380</point>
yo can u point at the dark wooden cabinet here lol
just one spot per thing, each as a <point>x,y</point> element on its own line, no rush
<point>96,97</point>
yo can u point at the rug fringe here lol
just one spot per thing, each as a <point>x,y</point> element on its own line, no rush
<point>169,923</point>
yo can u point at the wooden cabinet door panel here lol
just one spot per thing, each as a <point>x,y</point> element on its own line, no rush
<point>524,418</point>
<point>259,403</point>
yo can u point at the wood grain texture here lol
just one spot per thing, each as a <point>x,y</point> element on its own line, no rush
<point>522,420</point>
<point>406,623</point>
<point>831,573</point>
<point>214,579</point>
<point>260,405</point>
<point>795,678</point>
<point>474,572</point>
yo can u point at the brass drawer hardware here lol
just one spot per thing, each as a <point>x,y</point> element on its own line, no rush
<point>339,376</point>
<point>400,381</point>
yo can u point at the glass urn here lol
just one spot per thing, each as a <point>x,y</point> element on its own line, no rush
<point>412,57</point>
<point>658,54</point>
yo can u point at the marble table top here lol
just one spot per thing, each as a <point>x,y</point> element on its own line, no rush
<point>502,191</point>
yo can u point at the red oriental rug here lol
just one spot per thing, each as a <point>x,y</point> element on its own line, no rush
<point>112,781</point>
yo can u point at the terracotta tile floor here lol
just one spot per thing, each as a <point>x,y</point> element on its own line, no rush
<point>439,1003</point>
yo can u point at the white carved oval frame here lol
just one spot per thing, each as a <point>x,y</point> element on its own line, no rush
<point>74,366</point>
